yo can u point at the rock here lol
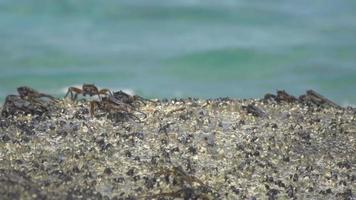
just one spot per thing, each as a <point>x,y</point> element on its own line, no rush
<point>282,146</point>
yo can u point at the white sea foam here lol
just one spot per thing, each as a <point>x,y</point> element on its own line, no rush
<point>347,104</point>
<point>178,94</point>
<point>126,90</point>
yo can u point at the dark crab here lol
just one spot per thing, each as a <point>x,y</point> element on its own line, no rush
<point>29,101</point>
<point>87,89</point>
<point>32,94</point>
<point>129,99</point>
<point>14,105</point>
<point>114,107</point>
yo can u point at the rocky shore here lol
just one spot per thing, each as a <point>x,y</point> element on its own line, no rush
<point>277,147</point>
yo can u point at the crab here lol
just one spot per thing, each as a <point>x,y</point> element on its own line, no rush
<point>129,99</point>
<point>87,89</point>
<point>113,106</point>
<point>31,94</point>
<point>29,101</point>
<point>14,105</point>
<point>118,105</point>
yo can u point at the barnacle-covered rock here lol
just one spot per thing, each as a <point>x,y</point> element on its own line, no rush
<point>280,147</point>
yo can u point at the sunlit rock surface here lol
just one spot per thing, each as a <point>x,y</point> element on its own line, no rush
<point>189,148</point>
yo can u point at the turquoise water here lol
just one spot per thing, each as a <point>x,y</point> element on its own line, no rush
<point>165,48</point>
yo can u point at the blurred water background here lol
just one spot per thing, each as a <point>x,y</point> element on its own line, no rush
<point>166,48</point>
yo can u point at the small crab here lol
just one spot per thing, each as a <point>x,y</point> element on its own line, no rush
<point>87,89</point>
<point>129,99</point>
<point>14,105</point>
<point>31,94</point>
<point>29,101</point>
<point>111,105</point>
